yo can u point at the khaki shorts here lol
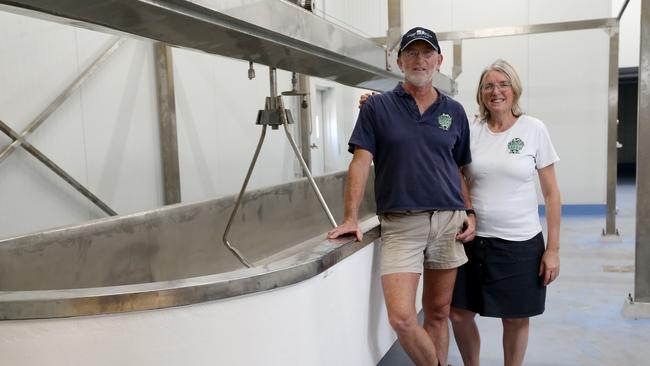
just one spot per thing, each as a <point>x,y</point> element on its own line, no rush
<point>412,241</point>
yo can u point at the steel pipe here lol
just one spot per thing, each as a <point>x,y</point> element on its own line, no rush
<point>225,240</point>
<point>304,166</point>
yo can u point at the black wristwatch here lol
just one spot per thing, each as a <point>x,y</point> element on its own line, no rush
<point>470,211</point>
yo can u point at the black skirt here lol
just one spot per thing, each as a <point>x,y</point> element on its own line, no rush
<point>501,278</point>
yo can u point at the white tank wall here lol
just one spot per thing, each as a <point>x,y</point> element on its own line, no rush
<point>564,75</point>
<point>335,318</point>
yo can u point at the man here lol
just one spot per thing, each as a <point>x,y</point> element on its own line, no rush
<point>418,139</point>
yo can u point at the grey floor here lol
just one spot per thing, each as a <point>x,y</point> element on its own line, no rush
<point>582,324</point>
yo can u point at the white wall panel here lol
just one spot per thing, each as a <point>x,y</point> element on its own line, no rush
<point>197,124</point>
<point>436,15</point>
<point>472,14</point>
<point>38,60</point>
<point>630,32</point>
<point>569,94</point>
<point>366,17</point>
<point>120,129</point>
<point>552,11</point>
<point>479,53</point>
<point>216,113</point>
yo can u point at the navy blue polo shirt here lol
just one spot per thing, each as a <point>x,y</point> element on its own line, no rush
<point>416,157</point>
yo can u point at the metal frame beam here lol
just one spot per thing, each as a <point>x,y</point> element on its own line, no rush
<point>167,123</point>
<point>270,32</point>
<point>610,230</point>
<point>61,98</point>
<point>642,254</point>
<point>19,140</point>
<point>523,30</point>
<point>55,168</point>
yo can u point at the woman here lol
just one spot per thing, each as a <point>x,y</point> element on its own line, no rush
<point>509,266</point>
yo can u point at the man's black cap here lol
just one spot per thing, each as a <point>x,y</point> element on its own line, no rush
<point>419,34</point>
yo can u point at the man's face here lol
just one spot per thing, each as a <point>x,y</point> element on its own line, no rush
<point>419,62</point>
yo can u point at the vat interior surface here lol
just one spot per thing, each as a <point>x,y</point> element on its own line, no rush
<point>174,242</point>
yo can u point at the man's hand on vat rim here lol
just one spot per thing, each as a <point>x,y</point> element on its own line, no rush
<point>346,228</point>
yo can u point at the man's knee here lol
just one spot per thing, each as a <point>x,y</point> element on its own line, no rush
<point>436,311</point>
<point>402,322</point>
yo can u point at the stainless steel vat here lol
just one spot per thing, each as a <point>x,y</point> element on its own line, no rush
<point>174,256</point>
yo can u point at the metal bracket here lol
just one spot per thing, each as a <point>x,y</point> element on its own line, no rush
<point>274,114</point>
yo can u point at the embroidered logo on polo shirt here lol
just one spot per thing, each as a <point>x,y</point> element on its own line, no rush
<point>515,145</point>
<point>444,121</point>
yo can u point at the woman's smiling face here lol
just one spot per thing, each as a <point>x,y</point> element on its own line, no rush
<point>496,92</point>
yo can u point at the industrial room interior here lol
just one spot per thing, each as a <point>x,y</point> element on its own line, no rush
<point>149,217</point>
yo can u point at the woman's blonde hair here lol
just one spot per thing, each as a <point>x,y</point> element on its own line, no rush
<point>506,69</point>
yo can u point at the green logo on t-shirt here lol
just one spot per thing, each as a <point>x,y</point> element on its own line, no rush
<point>515,145</point>
<point>444,121</point>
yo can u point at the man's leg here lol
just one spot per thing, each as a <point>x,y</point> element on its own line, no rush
<point>515,340</point>
<point>436,300</point>
<point>467,336</point>
<point>399,293</point>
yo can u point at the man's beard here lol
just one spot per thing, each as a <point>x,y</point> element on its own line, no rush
<point>419,81</point>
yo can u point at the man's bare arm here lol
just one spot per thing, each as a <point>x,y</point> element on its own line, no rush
<point>354,188</point>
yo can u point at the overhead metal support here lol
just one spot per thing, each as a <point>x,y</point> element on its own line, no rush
<point>639,306</point>
<point>523,30</point>
<point>55,168</point>
<point>167,122</point>
<point>271,32</point>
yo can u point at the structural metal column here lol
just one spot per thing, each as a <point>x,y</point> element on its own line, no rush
<point>612,134</point>
<point>167,120</point>
<point>642,262</point>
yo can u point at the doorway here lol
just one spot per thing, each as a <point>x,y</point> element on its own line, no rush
<point>628,86</point>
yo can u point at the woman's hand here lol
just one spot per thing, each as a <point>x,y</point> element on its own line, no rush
<point>364,97</point>
<point>469,230</point>
<point>550,266</point>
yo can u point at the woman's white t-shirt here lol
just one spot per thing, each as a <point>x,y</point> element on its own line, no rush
<point>502,177</point>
